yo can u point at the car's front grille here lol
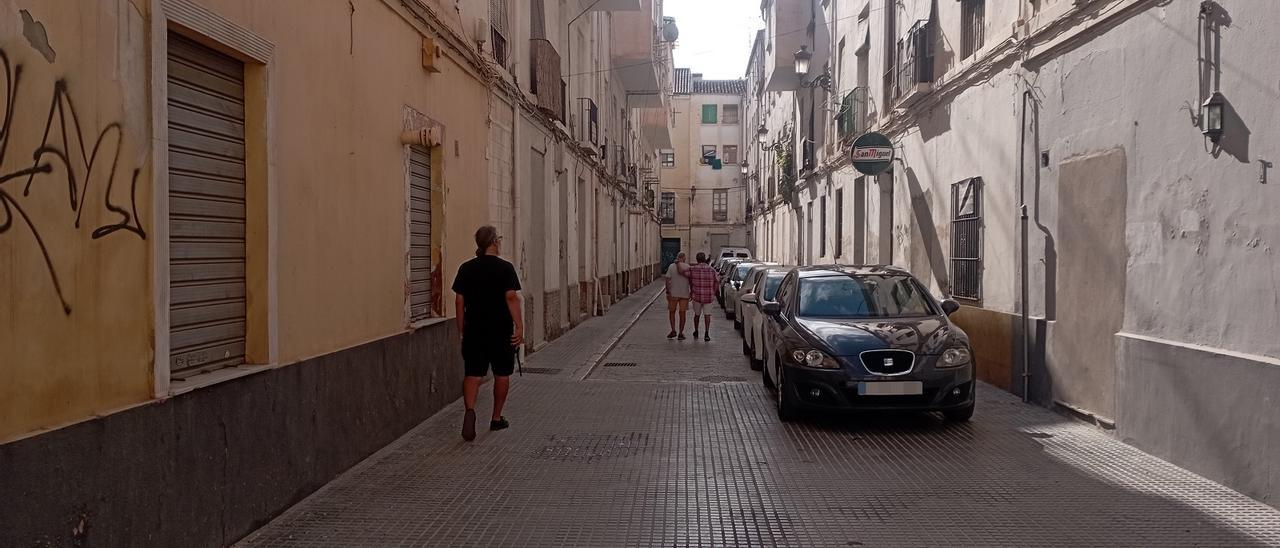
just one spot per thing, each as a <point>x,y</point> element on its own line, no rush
<point>888,362</point>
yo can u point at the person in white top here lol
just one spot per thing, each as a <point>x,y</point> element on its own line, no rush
<point>677,295</point>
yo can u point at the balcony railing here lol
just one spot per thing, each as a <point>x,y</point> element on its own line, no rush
<point>851,121</point>
<point>915,58</point>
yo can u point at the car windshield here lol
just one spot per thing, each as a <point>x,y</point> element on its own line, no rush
<point>771,284</point>
<point>873,296</point>
<point>741,272</point>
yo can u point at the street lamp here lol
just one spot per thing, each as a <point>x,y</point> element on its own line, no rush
<point>802,61</point>
<point>744,168</point>
<point>762,135</point>
<point>1211,115</point>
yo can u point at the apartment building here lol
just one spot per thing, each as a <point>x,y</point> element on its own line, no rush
<point>703,204</point>
<point>1089,178</point>
<point>229,229</point>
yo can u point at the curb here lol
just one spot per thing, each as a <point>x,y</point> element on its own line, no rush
<point>613,341</point>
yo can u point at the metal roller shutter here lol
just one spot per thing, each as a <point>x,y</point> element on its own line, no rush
<point>419,233</point>
<point>206,209</point>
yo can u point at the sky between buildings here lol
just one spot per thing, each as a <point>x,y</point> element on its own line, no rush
<point>715,35</point>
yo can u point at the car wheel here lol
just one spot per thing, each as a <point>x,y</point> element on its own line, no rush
<point>737,325</point>
<point>764,377</point>
<point>746,349</point>
<point>757,365</point>
<point>787,411</point>
<point>962,414</point>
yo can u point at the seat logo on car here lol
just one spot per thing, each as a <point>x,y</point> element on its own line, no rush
<point>888,362</point>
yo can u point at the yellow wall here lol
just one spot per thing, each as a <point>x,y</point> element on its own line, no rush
<point>335,108</point>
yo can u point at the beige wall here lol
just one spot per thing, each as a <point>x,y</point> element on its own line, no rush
<point>75,327</point>
<point>334,113</point>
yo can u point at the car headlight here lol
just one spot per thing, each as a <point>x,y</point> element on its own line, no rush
<point>813,358</point>
<point>955,357</point>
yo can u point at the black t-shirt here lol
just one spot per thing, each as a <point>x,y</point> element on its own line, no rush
<point>483,283</point>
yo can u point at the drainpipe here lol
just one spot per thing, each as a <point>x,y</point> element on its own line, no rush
<point>1024,263</point>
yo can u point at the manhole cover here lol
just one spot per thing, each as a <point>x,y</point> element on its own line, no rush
<point>542,370</point>
<point>593,447</point>
<point>619,364</point>
<point>719,378</point>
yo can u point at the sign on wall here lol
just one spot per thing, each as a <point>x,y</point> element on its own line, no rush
<point>872,153</point>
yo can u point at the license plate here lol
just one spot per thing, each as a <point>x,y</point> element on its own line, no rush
<point>891,388</point>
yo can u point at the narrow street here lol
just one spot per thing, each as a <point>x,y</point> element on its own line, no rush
<point>675,443</point>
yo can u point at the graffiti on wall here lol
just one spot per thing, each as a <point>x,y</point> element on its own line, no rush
<point>65,159</point>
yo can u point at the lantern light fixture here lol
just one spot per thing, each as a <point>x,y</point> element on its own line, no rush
<point>802,60</point>
<point>1211,116</point>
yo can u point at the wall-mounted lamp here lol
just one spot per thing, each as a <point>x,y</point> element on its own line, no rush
<point>1211,116</point>
<point>762,135</point>
<point>744,168</point>
<point>802,61</point>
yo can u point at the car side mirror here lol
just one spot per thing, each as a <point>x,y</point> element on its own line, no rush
<point>750,298</point>
<point>950,307</point>
<point>772,309</point>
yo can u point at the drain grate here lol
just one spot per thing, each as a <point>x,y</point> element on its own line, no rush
<point>619,364</point>
<point>542,370</point>
<point>593,447</point>
<point>721,378</point>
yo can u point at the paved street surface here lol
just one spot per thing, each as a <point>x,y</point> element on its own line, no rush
<point>684,449</point>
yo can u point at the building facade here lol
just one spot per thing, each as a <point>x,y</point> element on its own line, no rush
<point>228,245</point>
<point>703,200</point>
<point>1058,173</point>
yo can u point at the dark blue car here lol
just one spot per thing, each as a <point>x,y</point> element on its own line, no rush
<point>865,338</point>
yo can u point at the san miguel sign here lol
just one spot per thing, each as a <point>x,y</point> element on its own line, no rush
<point>872,153</point>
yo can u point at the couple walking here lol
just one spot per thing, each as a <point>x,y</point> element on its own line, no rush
<point>685,283</point>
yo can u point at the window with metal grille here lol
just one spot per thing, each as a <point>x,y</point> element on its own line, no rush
<point>915,57</point>
<point>668,159</point>
<point>973,16</point>
<point>851,120</point>
<point>729,114</point>
<point>822,230</point>
<point>708,151</point>
<point>498,30</point>
<point>720,205</point>
<point>966,239</point>
<point>730,154</point>
<point>839,222</point>
<point>709,114</point>
<point>667,208</point>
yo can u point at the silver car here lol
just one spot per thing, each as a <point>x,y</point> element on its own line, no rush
<point>745,287</point>
<point>729,286</point>
<point>763,291</point>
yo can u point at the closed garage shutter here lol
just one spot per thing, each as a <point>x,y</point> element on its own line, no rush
<point>206,209</point>
<point>419,233</point>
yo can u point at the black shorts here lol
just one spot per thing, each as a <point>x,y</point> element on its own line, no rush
<point>479,356</point>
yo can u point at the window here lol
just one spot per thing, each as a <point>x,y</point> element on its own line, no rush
<point>915,57</point>
<point>709,114</point>
<point>708,151</point>
<point>773,187</point>
<point>420,297</point>
<point>668,159</point>
<point>498,30</point>
<point>667,209</point>
<point>720,205</point>
<point>730,114</point>
<point>839,222</point>
<point>822,230</point>
<point>974,19</point>
<point>966,241</point>
<point>730,154</point>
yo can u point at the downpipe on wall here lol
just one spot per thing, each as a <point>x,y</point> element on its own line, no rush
<point>1024,262</point>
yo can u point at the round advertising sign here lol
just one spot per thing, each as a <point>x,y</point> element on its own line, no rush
<point>872,153</point>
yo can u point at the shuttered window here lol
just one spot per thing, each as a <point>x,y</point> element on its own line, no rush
<point>966,239</point>
<point>419,233</point>
<point>206,209</point>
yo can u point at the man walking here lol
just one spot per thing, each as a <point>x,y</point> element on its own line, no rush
<point>702,281</point>
<point>677,295</point>
<point>491,324</point>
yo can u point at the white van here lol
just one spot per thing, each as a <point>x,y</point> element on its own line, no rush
<point>727,252</point>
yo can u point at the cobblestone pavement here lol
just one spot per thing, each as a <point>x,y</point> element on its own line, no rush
<point>648,455</point>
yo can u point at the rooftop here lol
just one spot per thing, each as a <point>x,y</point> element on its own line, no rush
<point>688,82</point>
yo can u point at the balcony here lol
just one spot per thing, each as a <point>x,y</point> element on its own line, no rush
<point>915,65</point>
<point>545,82</point>
<point>786,21</point>
<point>632,51</point>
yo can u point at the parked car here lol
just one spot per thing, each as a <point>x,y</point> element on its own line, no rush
<point>728,252</point>
<point>729,285</point>
<point>762,290</point>
<point>748,282</point>
<point>723,270</point>
<point>865,338</point>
